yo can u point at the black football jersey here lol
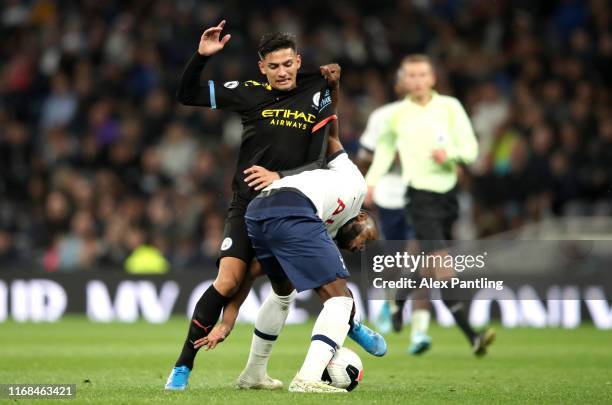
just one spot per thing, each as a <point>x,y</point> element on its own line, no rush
<point>283,131</point>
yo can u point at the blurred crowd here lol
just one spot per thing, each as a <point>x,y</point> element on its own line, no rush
<point>100,166</point>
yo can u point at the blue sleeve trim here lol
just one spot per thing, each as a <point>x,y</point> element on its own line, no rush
<point>211,90</point>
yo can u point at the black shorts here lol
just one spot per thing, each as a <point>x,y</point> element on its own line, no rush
<point>236,242</point>
<point>432,216</point>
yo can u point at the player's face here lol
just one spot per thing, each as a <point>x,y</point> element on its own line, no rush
<point>281,67</point>
<point>418,78</point>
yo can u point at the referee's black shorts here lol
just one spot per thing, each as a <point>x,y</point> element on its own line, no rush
<point>236,242</point>
<point>432,215</point>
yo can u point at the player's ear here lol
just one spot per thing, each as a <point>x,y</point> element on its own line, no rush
<point>261,67</point>
<point>298,61</point>
<point>434,78</point>
<point>362,216</point>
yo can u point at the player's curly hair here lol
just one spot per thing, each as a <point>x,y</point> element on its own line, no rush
<point>349,231</point>
<point>273,41</point>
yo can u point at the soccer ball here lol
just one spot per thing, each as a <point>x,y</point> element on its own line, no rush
<point>344,369</point>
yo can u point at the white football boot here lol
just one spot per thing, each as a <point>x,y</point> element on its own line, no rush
<point>267,383</point>
<point>298,385</point>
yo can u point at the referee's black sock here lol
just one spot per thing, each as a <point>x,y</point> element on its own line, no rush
<point>401,296</point>
<point>399,303</point>
<point>204,318</point>
<point>457,308</point>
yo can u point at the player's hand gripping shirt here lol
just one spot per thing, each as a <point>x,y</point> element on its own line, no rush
<point>337,193</point>
<point>282,130</point>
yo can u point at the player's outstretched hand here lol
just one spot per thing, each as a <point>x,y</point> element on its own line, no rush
<point>217,335</point>
<point>210,42</point>
<point>331,73</point>
<point>259,177</point>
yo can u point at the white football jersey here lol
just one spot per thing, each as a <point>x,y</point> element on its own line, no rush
<point>336,192</point>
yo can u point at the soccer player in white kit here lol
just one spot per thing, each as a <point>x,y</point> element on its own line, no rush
<point>291,225</point>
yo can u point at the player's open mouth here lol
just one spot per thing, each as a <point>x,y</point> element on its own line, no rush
<point>282,81</point>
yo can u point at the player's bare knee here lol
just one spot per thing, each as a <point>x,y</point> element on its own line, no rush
<point>282,287</point>
<point>336,288</point>
<point>230,276</point>
<point>227,284</point>
<point>255,269</point>
<point>227,288</point>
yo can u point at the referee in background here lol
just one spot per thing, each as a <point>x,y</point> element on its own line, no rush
<point>389,198</point>
<point>433,135</point>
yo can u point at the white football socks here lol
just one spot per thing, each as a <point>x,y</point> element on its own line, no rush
<point>328,335</point>
<point>420,322</point>
<point>270,321</point>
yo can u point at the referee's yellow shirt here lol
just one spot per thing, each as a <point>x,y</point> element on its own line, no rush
<point>416,131</point>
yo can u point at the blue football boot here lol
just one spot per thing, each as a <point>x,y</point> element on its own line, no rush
<point>371,341</point>
<point>420,344</point>
<point>178,379</point>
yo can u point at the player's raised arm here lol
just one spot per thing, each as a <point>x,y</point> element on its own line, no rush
<point>331,73</point>
<point>333,147</point>
<point>190,91</point>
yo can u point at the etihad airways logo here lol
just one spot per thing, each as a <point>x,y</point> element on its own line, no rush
<point>289,118</point>
<point>253,83</point>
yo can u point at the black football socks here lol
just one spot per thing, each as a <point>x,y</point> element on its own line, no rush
<point>204,318</point>
<point>459,311</point>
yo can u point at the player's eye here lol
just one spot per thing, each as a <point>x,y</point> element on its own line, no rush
<point>273,66</point>
<point>288,64</point>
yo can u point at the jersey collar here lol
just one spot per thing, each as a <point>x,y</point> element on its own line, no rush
<point>434,96</point>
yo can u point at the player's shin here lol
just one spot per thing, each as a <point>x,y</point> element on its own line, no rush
<point>460,314</point>
<point>420,315</point>
<point>328,335</point>
<point>205,315</point>
<point>270,321</point>
<point>420,322</point>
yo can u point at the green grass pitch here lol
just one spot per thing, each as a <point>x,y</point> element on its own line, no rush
<point>129,363</point>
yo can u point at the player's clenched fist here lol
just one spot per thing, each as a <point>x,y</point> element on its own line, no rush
<point>210,42</point>
<point>331,73</point>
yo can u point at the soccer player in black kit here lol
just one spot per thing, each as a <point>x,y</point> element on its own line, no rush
<point>285,127</point>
